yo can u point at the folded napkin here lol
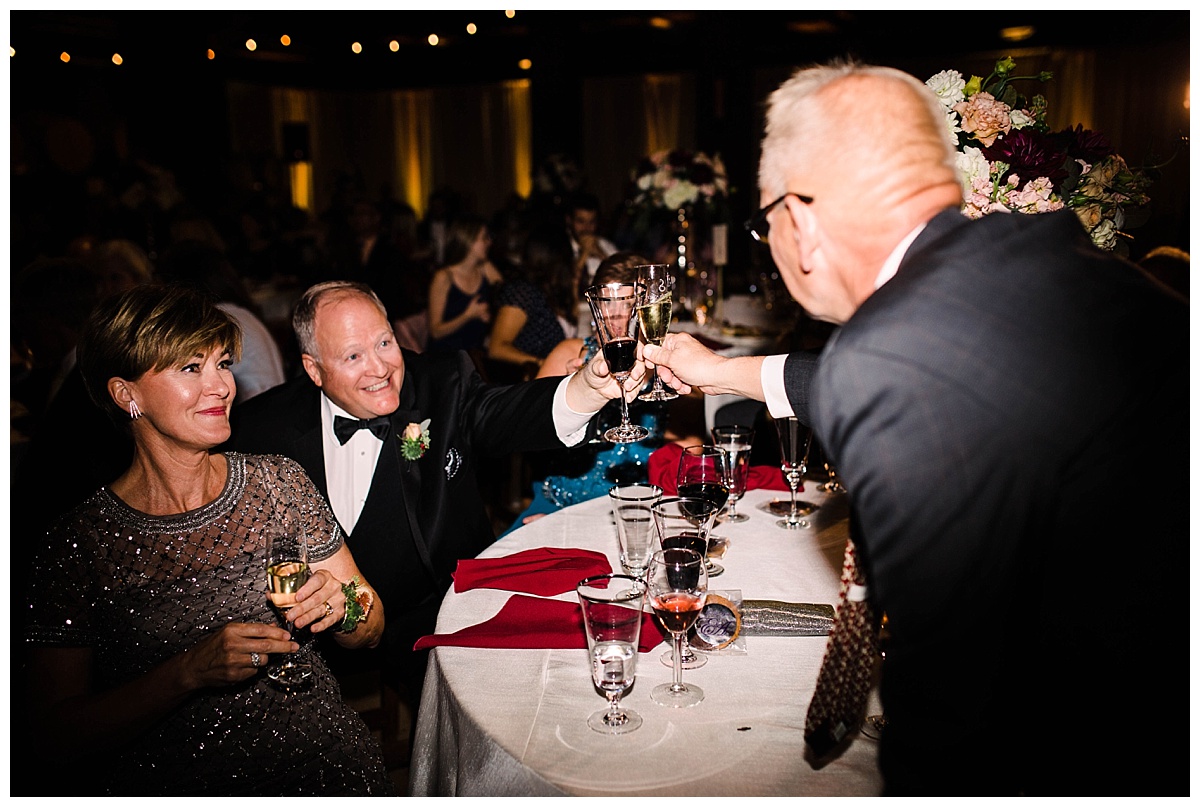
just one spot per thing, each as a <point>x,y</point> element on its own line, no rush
<point>664,465</point>
<point>545,571</point>
<point>534,623</point>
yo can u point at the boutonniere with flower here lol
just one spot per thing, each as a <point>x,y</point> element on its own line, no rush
<point>415,440</point>
<point>1009,160</point>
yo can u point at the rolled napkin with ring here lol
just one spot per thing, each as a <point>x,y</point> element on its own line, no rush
<point>722,620</point>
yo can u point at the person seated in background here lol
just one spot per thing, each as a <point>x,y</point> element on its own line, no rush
<point>589,470</point>
<point>205,268</point>
<point>460,293</point>
<point>536,308</point>
<point>588,246</point>
<point>147,627</point>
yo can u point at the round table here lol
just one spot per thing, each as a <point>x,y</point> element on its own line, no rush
<point>508,722</point>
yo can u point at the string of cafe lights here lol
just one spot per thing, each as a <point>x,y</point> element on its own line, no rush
<point>285,40</point>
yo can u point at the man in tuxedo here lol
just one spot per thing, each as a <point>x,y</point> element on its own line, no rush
<point>354,421</point>
<point>993,387</point>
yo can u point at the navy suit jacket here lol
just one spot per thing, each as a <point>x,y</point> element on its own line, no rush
<point>992,410</point>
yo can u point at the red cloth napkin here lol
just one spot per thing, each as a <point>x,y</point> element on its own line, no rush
<point>534,623</point>
<point>545,571</point>
<point>664,465</point>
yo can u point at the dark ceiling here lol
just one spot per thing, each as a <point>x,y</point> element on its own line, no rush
<point>580,43</point>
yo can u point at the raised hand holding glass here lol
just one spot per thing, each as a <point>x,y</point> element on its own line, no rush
<point>614,308</point>
<point>654,313</point>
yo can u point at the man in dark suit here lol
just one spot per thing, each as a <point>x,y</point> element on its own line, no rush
<point>992,388</point>
<point>410,511</point>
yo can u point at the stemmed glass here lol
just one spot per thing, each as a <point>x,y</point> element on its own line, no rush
<point>677,586</point>
<point>287,571</point>
<point>794,443</point>
<point>704,474</point>
<point>614,307</point>
<point>736,442</point>
<point>684,523</point>
<point>654,313</point>
<point>635,525</point>
<point>612,616</point>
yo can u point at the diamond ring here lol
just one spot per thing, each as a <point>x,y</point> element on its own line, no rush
<point>255,659</point>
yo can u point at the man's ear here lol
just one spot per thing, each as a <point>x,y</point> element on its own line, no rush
<point>805,230</point>
<point>310,367</point>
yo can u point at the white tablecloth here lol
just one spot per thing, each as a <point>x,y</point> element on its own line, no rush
<point>512,722</point>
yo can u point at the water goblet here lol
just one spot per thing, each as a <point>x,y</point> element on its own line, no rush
<point>614,307</point>
<point>683,522</point>
<point>287,571</point>
<point>654,314</point>
<point>612,607</point>
<point>635,525</point>
<point>677,585</point>
<point>736,441</point>
<point>795,440</point>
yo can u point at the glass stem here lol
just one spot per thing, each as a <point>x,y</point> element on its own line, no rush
<point>677,666</point>
<point>624,405</point>
<point>614,716</point>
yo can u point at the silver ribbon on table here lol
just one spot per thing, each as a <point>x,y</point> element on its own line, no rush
<point>776,618</point>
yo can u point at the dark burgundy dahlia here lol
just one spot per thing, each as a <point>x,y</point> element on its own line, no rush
<point>1029,155</point>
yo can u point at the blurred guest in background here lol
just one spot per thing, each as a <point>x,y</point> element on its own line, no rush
<point>460,293</point>
<point>588,246</point>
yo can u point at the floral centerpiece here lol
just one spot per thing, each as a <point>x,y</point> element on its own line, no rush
<point>1010,161</point>
<point>679,179</point>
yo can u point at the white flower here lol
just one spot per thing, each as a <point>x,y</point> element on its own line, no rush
<point>974,170</point>
<point>1020,118</point>
<point>680,194</point>
<point>948,86</point>
<point>952,127</point>
<point>1104,235</point>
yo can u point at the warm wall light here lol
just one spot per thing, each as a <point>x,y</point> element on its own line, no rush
<point>356,47</point>
<point>116,59</point>
<point>1017,33</point>
<point>394,46</point>
<point>524,64</point>
<point>1187,104</point>
<point>660,22</point>
<point>251,45</point>
<point>433,39</point>
<point>285,40</point>
<point>64,57</point>
<point>212,54</point>
<point>471,28</point>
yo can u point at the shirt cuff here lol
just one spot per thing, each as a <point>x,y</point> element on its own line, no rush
<point>571,426</point>
<point>774,392</point>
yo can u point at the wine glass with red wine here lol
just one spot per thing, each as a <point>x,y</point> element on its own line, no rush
<point>614,308</point>
<point>676,586</point>
<point>704,474</point>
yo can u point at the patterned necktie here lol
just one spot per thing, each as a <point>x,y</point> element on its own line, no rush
<point>344,428</point>
<point>840,699</point>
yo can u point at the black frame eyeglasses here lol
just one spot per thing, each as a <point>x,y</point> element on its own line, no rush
<point>757,224</point>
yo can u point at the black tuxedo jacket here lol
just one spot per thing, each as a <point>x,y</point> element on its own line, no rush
<point>991,409</point>
<point>421,516</point>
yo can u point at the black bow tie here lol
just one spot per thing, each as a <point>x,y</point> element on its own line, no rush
<point>344,428</point>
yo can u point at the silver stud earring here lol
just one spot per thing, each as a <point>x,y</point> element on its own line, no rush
<point>134,412</point>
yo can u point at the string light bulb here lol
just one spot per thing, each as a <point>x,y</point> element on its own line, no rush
<point>433,40</point>
<point>471,29</point>
<point>510,13</point>
<point>356,47</point>
<point>394,46</point>
<point>117,60</point>
<point>251,45</point>
<point>525,64</point>
<point>64,57</point>
<point>212,54</point>
<point>285,40</point>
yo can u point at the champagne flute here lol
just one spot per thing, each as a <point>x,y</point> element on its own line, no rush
<point>703,473</point>
<point>794,443</point>
<point>736,441</point>
<point>684,523</point>
<point>677,584</point>
<point>287,571</point>
<point>654,314</point>
<point>614,307</point>
<point>612,616</point>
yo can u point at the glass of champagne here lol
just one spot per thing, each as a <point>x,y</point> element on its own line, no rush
<point>287,571</point>
<point>654,314</point>
<point>614,307</point>
<point>795,440</point>
<point>684,523</point>
<point>703,473</point>
<point>612,616</point>
<point>736,442</point>
<point>677,585</point>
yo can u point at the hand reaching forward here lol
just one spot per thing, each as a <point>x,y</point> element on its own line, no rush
<point>684,363</point>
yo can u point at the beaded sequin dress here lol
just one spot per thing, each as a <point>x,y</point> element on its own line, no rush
<point>138,589</point>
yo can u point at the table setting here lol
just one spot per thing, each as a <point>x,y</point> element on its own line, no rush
<point>514,701</point>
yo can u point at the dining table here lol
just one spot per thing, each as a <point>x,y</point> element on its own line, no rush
<point>503,721</point>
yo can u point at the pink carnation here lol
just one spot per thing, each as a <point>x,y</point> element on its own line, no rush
<point>985,117</point>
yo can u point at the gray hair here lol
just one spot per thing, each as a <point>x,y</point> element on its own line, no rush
<point>304,315</point>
